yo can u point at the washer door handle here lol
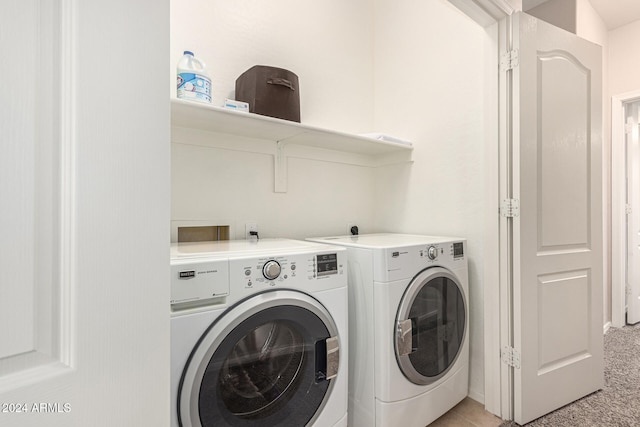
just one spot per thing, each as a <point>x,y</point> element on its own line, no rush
<point>333,357</point>
<point>327,359</point>
<point>404,337</point>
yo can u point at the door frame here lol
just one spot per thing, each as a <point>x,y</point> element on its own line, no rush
<point>497,398</point>
<point>488,14</point>
<point>618,209</point>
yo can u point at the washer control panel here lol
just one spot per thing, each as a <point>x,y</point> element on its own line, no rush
<point>290,271</point>
<point>326,264</point>
<point>221,273</point>
<point>198,280</point>
<point>270,270</point>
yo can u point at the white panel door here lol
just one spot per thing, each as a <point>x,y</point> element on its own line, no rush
<point>84,213</point>
<point>632,146</point>
<point>557,237</point>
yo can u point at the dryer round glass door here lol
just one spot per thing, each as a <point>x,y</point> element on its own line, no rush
<point>269,361</point>
<point>430,326</point>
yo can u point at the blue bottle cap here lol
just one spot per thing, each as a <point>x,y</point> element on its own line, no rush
<point>186,52</point>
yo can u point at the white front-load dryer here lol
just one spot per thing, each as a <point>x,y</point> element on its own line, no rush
<point>408,319</point>
<point>258,334</point>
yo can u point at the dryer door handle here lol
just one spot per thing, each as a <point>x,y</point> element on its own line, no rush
<point>404,337</point>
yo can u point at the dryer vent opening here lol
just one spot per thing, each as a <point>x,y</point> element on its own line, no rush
<point>205,233</point>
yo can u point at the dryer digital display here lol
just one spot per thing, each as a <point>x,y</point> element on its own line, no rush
<point>458,251</point>
<point>327,264</point>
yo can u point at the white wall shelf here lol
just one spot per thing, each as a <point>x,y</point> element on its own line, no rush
<point>283,133</point>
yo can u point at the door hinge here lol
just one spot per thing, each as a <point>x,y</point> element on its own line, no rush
<point>510,208</point>
<point>627,209</point>
<point>509,60</point>
<point>511,357</point>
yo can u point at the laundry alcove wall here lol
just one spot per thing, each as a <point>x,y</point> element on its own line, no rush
<point>329,45</point>
<point>409,70</point>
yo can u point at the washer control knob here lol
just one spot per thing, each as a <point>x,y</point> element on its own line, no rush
<point>432,252</point>
<point>271,269</point>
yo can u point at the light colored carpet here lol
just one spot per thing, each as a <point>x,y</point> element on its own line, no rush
<point>618,403</point>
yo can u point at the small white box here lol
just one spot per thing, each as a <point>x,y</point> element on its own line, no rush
<point>232,104</point>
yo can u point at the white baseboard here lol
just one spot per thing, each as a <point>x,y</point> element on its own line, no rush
<point>478,397</point>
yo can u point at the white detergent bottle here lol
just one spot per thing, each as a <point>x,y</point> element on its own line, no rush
<point>193,80</point>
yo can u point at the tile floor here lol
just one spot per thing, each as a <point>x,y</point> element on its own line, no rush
<point>467,413</point>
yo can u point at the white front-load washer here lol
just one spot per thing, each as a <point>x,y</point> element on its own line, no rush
<point>408,320</point>
<point>258,334</point>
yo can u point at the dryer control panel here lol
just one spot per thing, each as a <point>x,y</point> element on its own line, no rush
<point>405,261</point>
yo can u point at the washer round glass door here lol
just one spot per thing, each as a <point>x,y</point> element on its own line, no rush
<point>268,361</point>
<point>430,326</point>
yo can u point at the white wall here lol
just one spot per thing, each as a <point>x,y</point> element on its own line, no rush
<point>329,45</point>
<point>621,60</point>
<point>624,59</point>
<point>409,69</point>
<point>232,187</point>
<point>429,88</point>
<point>589,25</point>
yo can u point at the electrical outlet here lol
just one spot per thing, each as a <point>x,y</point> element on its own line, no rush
<point>349,225</point>
<point>248,228</point>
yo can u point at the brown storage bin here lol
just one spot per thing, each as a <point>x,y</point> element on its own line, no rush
<point>270,91</point>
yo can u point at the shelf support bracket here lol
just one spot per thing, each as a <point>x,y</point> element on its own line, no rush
<point>280,168</point>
